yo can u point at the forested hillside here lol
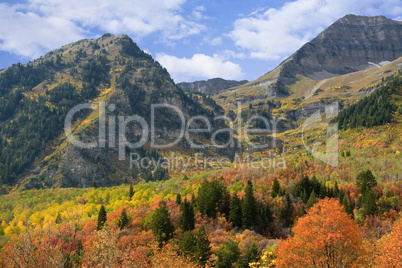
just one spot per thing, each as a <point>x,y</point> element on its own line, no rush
<point>374,110</point>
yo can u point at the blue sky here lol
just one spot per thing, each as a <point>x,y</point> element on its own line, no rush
<point>193,39</point>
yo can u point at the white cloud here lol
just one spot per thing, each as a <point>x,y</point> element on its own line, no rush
<point>35,26</point>
<point>200,66</point>
<point>272,34</point>
<point>28,34</point>
<point>217,41</point>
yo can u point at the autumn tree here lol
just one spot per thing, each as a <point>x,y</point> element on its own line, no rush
<point>390,246</point>
<point>101,218</point>
<point>325,237</point>
<point>161,225</point>
<point>187,220</point>
<point>249,208</point>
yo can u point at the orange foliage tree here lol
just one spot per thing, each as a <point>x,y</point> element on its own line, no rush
<point>390,248</point>
<point>325,237</point>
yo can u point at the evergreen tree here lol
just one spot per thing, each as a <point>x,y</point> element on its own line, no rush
<point>250,256</point>
<point>58,218</point>
<point>123,221</point>
<point>131,192</point>
<point>228,254</point>
<point>235,216</point>
<point>224,203</point>
<point>209,198</point>
<point>265,215</point>
<point>323,191</point>
<point>287,212</point>
<point>312,199</point>
<point>101,218</point>
<point>369,204</point>
<point>202,247</point>
<point>276,188</point>
<point>178,199</point>
<point>347,206</point>
<point>187,220</point>
<point>366,180</point>
<point>94,184</point>
<point>249,208</point>
<point>187,245</point>
<point>161,225</point>
<point>336,190</point>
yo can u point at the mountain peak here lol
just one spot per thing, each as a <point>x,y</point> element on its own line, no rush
<point>351,44</point>
<point>365,20</point>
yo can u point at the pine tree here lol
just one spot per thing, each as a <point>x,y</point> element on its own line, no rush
<point>276,188</point>
<point>312,199</point>
<point>202,247</point>
<point>287,212</point>
<point>123,221</point>
<point>131,192</point>
<point>323,191</point>
<point>224,203</point>
<point>187,245</point>
<point>102,216</point>
<point>369,204</point>
<point>336,190</point>
<point>249,208</point>
<point>58,218</point>
<point>161,225</point>
<point>228,254</point>
<point>178,199</point>
<point>250,256</point>
<point>235,211</point>
<point>265,215</point>
<point>347,206</point>
<point>366,180</point>
<point>187,220</point>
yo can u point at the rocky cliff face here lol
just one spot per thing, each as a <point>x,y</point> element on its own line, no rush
<point>211,86</point>
<point>351,44</point>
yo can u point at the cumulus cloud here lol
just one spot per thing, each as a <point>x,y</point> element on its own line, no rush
<point>200,66</point>
<point>34,26</point>
<point>28,34</point>
<point>271,34</point>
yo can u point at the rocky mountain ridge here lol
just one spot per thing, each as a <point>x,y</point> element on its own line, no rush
<point>211,86</point>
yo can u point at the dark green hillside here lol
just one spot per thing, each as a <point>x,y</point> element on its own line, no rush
<point>373,110</point>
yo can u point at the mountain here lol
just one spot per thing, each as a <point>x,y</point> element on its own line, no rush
<point>350,45</point>
<point>211,86</point>
<point>110,72</point>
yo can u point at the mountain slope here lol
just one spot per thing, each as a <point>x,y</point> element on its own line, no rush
<point>112,70</point>
<point>211,86</point>
<point>355,52</point>
<point>353,43</point>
